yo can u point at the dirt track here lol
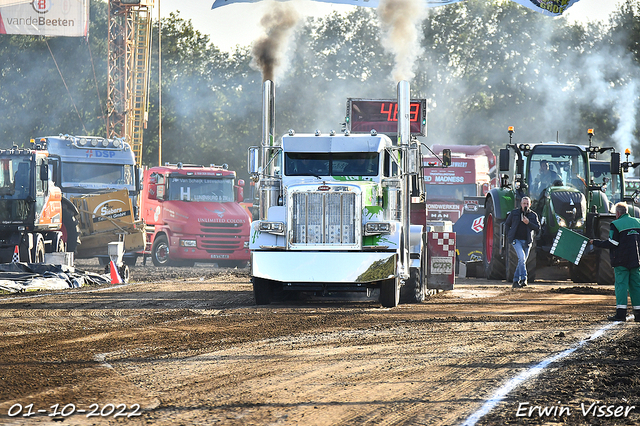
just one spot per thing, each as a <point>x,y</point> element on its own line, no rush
<point>189,346</point>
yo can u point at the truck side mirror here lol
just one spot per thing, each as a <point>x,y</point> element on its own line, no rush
<point>615,163</point>
<point>252,160</point>
<point>239,193</point>
<point>505,160</point>
<point>446,157</point>
<point>44,172</point>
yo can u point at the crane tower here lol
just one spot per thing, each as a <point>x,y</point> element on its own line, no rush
<point>128,62</point>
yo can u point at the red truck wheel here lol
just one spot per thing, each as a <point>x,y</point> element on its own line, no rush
<point>160,251</point>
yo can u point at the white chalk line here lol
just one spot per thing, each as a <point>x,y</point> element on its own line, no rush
<point>502,392</point>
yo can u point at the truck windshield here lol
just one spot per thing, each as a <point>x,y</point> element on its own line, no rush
<point>450,192</point>
<point>332,164</point>
<point>94,175</point>
<point>186,188</point>
<point>556,166</point>
<point>15,177</point>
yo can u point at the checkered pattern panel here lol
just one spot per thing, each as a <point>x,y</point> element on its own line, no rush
<point>447,241</point>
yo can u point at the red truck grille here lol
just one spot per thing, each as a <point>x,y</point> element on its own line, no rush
<point>222,238</point>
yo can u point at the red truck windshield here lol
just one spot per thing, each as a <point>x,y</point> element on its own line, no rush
<point>200,189</point>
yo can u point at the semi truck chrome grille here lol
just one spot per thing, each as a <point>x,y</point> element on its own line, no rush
<point>324,218</point>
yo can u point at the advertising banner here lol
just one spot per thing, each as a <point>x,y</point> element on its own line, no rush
<point>55,18</point>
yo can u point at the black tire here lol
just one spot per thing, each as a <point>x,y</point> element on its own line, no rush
<point>494,263</point>
<point>124,273</point>
<point>38,249</point>
<point>60,247</point>
<point>414,289</point>
<point>512,263</point>
<point>605,274</point>
<point>160,251</point>
<point>390,292</point>
<point>262,291</point>
<point>586,271</point>
<point>70,229</point>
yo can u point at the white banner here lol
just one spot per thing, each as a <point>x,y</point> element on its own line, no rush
<point>547,7</point>
<point>67,18</point>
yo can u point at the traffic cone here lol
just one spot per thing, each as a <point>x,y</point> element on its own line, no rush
<point>115,276</point>
<point>16,255</point>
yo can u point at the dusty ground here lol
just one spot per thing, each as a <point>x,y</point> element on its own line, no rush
<point>188,346</point>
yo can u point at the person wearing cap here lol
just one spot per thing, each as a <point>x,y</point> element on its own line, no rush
<point>545,177</point>
<point>624,250</point>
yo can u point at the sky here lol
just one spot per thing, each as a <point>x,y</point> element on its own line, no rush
<point>239,24</point>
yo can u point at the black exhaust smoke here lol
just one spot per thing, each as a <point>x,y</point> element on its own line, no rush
<point>268,51</point>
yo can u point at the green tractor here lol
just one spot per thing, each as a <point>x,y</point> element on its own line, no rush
<point>568,188</point>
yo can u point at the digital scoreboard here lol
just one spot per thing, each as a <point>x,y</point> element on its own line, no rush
<point>364,115</point>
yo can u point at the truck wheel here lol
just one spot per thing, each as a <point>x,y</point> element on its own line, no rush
<point>413,290</point>
<point>38,250</point>
<point>262,291</point>
<point>605,274</point>
<point>61,246</point>
<point>70,230</point>
<point>494,264</point>
<point>390,292</point>
<point>160,251</point>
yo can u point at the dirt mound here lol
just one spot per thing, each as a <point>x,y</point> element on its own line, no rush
<point>583,290</point>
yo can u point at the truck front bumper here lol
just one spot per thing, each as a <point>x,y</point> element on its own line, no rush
<point>323,266</point>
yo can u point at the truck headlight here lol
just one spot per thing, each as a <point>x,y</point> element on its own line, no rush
<point>187,243</point>
<point>272,227</point>
<point>561,221</point>
<point>579,223</point>
<point>374,228</point>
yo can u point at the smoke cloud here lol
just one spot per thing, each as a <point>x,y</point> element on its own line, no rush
<point>268,51</point>
<point>400,25</point>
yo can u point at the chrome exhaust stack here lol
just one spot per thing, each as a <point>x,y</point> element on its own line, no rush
<point>404,137</point>
<point>269,184</point>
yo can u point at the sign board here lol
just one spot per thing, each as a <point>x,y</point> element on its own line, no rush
<point>569,245</point>
<point>67,18</point>
<point>364,115</point>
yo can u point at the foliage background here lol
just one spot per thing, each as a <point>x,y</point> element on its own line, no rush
<point>484,65</point>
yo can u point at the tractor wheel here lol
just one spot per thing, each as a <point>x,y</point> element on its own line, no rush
<point>390,292</point>
<point>585,272</point>
<point>494,264</point>
<point>160,251</point>
<point>124,273</point>
<point>70,229</point>
<point>605,274</point>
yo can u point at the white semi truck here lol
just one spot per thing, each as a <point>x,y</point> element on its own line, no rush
<point>335,209</point>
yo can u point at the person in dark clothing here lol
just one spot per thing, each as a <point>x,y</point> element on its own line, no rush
<point>624,250</point>
<point>520,226</point>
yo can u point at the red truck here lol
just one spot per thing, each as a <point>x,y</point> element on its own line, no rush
<point>471,173</point>
<point>193,214</point>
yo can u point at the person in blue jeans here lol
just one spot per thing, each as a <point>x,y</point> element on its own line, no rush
<point>521,226</point>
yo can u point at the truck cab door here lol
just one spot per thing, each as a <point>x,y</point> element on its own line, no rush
<point>42,185</point>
